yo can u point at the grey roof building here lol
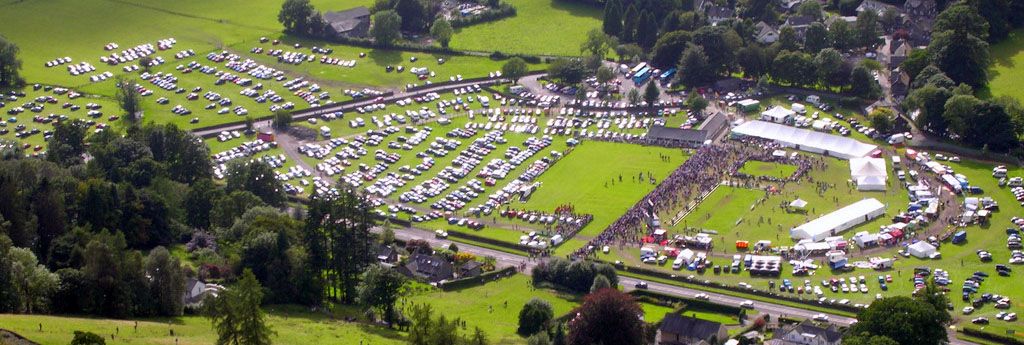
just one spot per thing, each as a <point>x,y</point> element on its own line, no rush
<point>354,22</point>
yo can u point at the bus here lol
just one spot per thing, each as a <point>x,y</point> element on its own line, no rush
<point>642,76</point>
<point>637,68</point>
<point>667,75</point>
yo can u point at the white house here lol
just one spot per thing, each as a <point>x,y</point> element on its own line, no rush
<point>777,114</point>
<point>806,333</point>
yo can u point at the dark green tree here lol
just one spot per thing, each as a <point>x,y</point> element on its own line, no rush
<point>514,69</point>
<point>931,102</point>
<point>236,314</point>
<point>816,38</point>
<point>257,178</point>
<point>753,60</point>
<point>387,26</point>
<point>963,57</point>
<point>130,101</point>
<point>693,65</point>
<point>612,23</point>
<point>903,320</point>
<point>867,29</point>
<point>669,48</point>
<point>442,31</point>
<point>87,338</point>
<point>379,289</point>
<point>607,316</point>
<point>787,39</point>
<point>534,316</point>
<point>964,19</point>
<point>167,283</point>
<point>67,144</point>
<point>629,24</point>
<point>863,84</point>
<point>10,65</point>
<point>841,35</point>
<point>651,93</point>
<point>282,120</point>
<point>295,16</point>
<point>646,30</point>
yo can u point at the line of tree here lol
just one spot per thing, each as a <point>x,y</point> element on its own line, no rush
<point>576,276</point>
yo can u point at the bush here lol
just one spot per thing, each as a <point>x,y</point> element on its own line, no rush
<point>576,276</point>
<point>503,11</point>
<point>534,316</point>
<point>1000,338</point>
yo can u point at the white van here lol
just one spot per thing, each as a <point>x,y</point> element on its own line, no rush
<point>678,263</point>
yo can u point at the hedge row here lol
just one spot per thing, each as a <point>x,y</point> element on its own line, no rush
<point>478,280</point>
<point>690,302</point>
<point>996,337</point>
<point>503,11</point>
<point>669,276</point>
<point>491,241</point>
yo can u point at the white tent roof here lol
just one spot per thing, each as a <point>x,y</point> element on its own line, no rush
<point>798,203</point>
<point>807,140</point>
<point>867,166</point>
<point>822,227</point>
<point>778,113</point>
<point>921,249</point>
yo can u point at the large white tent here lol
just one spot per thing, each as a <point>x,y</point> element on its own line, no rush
<point>869,173</point>
<point>839,220</point>
<point>777,114</point>
<point>807,140</point>
<point>921,249</point>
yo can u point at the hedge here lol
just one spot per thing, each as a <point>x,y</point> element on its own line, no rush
<point>503,11</point>
<point>690,302</point>
<point>491,241</point>
<point>669,276</point>
<point>478,280</point>
<point>1000,338</point>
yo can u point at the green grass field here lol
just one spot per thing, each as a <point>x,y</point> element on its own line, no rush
<point>544,27</point>
<point>759,168</point>
<point>1007,68</point>
<point>293,325</point>
<point>584,179</point>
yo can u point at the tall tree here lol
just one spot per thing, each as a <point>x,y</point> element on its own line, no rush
<point>379,289</point>
<point>442,31</point>
<point>651,93</point>
<point>829,65</point>
<point>753,60</point>
<point>598,43</point>
<point>167,283</point>
<point>646,30</point>
<point>10,65</point>
<point>295,16</point>
<point>534,316</point>
<point>33,283</point>
<point>810,8</point>
<point>387,26</point>
<point>612,23</point>
<point>415,15</point>
<point>962,18</point>
<point>514,69</point>
<point>787,39</point>
<point>931,102</point>
<point>342,228</point>
<point>795,68</point>
<point>607,316</point>
<point>236,314</point>
<point>903,320</point>
<point>962,56</point>
<point>669,48</point>
<point>816,38</point>
<point>256,177</point>
<point>629,24</point>
<point>841,35</point>
<point>867,29</point>
<point>67,144</point>
<point>130,101</point>
<point>720,43</point>
<point>693,66</point>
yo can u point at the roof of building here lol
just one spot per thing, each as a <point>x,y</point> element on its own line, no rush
<point>808,140</point>
<point>429,266</point>
<point>830,334</point>
<point>800,21</point>
<point>825,224</point>
<point>691,327</point>
<point>676,134</point>
<point>343,21</point>
<point>720,12</point>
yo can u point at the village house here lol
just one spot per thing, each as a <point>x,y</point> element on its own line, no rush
<point>196,291</point>
<point>471,269</point>
<point>799,24</point>
<point>765,34</point>
<point>677,329</point>
<point>353,22</point>
<point>718,14</point>
<point>387,254</point>
<point>428,268</point>
<point>900,84</point>
<point>806,333</point>
<point>874,5</point>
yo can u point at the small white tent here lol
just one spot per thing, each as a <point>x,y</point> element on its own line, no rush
<point>869,173</point>
<point>921,249</point>
<point>777,114</point>
<point>798,203</point>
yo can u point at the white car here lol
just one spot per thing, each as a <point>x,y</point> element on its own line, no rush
<point>747,304</point>
<point>702,296</point>
<point>967,310</point>
<point>820,317</point>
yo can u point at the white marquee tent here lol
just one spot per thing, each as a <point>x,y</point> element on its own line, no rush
<point>921,249</point>
<point>869,173</point>
<point>777,114</point>
<point>807,140</point>
<point>839,220</point>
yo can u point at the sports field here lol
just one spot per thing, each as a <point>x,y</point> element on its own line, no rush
<point>759,168</point>
<point>540,27</point>
<point>1007,68</point>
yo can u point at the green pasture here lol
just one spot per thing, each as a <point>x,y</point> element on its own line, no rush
<point>759,168</point>
<point>1007,69</point>
<point>541,27</point>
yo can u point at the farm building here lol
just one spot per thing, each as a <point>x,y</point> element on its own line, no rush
<point>354,22</point>
<point>711,128</point>
<point>868,173</point>
<point>839,220</point>
<point>802,139</point>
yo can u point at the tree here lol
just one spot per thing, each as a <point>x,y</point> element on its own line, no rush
<point>442,31</point>
<point>421,317</point>
<point>646,30</point>
<point>841,35</point>
<point>916,61</point>
<point>997,13</point>
<point>294,15</point>
<point>651,93</point>
<point>829,66</point>
<point>696,102</point>
<point>605,74</point>
<point>414,13</point>
<point>282,120</point>
<point>33,283</point>
<point>753,60</point>
<point>810,8</point>
<point>863,84</point>
<point>816,38</point>
<point>514,69</point>
<point>199,202</point>
<point>787,39</point>
<point>387,26</point>
<point>931,101</point>
<point>87,338</point>
<point>759,10</point>
<point>236,313</point>
<point>67,144</point>
<point>720,43</point>
<point>882,119</point>
<point>600,282</point>
<point>612,23</point>
<point>534,316</point>
<point>902,319</point>
<point>867,29</point>
<point>249,125</point>
<point>629,23</point>
<point>130,100</point>
<point>598,43</point>
<point>10,65</point>
<point>256,177</point>
<point>962,18</point>
<point>607,316</point>
<point>795,68</point>
<point>890,19</point>
<point>380,289</point>
<point>540,338</point>
<point>693,65</point>
<point>633,96</point>
<point>569,71</point>
<point>669,48</point>
<point>337,235</point>
<point>167,283</point>
<point>963,57</point>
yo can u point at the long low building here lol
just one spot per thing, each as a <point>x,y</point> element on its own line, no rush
<point>839,220</point>
<point>806,140</point>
